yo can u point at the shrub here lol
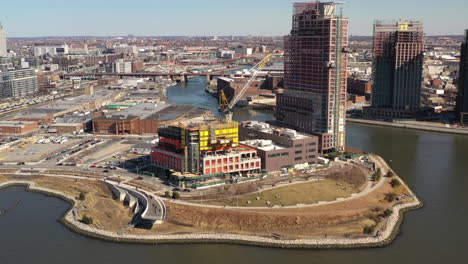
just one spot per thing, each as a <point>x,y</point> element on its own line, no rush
<point>379,171</point>
<point>82,196</point>
<point>87,220</point>
<point>369,229</point>
<point>375,176</point>
<point>175,195</point>
<point>390,197</point>
<point>167,194</point>
<point>395,183</point>
<point>387,213</point>
<point>390,174</point>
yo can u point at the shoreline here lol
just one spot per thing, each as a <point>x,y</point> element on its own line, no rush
<point>408,126</point>
<point>390,233</point>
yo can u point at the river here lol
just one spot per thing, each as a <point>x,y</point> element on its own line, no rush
<point>434,165</point>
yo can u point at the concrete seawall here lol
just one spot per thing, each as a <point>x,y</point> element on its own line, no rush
<point>386,237</point>
<point>409,126</point>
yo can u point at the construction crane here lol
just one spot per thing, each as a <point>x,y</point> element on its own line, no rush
<point>224,105</point>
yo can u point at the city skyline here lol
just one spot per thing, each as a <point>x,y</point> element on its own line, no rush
<point>208,17</point>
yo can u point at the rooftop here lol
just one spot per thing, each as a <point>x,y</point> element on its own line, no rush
<point>283,132</point>
<point>160,111</point>
<point>20,124</point>
<point>263,144</point>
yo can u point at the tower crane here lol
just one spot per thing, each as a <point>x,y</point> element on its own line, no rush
<point>224,105</point>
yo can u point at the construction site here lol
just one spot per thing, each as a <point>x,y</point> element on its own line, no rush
<point>197,154</point>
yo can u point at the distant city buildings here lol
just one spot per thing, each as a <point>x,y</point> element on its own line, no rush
<point>122,66</point>
<point>18,83</point>
<point>50,50</point>
<point>397,69</point>
<point>462,99</point>
<point>3,44</point>
<point>314,97</point>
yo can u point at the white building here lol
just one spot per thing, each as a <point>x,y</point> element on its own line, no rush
<point>51,50</point>
<point>226,54</point>
<point>244,51</point>
<point>122,66</point>
<point>3,45</point>
<point>125,49</point>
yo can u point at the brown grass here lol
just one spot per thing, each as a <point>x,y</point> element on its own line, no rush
<point>99,204</point>
<point>346,218</point>
<point>290,195</point>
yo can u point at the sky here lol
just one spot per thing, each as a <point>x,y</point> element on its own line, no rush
<point>35,18</point>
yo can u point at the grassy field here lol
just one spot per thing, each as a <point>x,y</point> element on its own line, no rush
<point>301,193</point>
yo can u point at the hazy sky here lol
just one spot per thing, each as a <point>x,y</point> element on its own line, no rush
<point>30,18</point>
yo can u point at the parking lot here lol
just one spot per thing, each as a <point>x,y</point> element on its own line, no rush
<point>30,151</point>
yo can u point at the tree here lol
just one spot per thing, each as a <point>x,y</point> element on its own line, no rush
<point>390,174</point>
<point>175,195</point>
<point>390,197</point>
<point>82,196</point>
<point>369,229</point>
<point>167,194</point>
<point>379,171</point>
<point>387,213</point>
<point>375,176</point>
<point>88,220</point>
<point>395,183</point>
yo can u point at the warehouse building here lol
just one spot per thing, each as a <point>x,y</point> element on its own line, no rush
<point>145,118</point>
<point>17,127</point>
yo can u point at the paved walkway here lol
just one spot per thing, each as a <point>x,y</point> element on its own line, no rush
<point>367,190</point>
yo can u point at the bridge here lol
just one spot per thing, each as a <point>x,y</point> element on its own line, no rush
<point>183,77</point>
<point>153,75</point>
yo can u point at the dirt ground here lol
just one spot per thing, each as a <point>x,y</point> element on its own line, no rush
<point>115,148</point>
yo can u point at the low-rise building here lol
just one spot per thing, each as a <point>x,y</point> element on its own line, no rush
<point>145,118</point>
<point>17,127</point>
<point>143,148</point>
<point>279,148</point>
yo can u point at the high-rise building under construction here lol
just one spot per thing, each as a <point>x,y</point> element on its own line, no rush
<point>314,97</point>
<point>397,69</point>
<point>462,98</point>
<point>3,45</point>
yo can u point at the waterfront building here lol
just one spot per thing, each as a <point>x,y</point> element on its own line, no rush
<point>462,98</point>
<point>397,69</point>
<point>203,153</point>
<point>18,83</point>
<point>279,148</point>
<point>314,96</point>
<point>3,44</point>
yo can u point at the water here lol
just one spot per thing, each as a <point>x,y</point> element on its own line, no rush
<point>434,165</point>
<point>193,93</point>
